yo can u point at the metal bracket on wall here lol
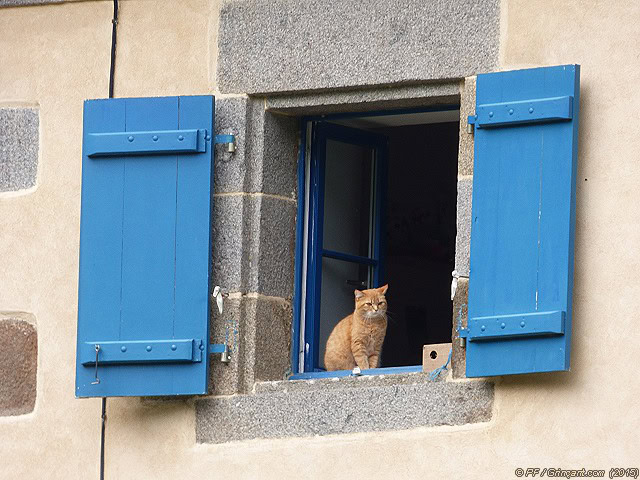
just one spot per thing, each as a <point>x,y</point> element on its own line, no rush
<point>463,334</point>
<point>471,120</point>
<point>222,349</point>
<point>228,139</point>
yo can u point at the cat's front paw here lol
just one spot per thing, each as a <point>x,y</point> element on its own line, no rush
<point>356,371</point>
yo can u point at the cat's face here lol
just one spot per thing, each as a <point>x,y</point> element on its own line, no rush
<point>371,303</point>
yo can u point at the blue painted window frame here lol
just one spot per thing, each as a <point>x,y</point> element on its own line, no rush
<point>312,122</point>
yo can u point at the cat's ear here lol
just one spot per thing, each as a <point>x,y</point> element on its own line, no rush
<point>383,289</point>
<point>358,294</point>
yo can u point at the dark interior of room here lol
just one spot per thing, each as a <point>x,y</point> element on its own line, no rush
<point>419,238</point>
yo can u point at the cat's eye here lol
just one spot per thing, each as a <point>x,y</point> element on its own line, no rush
<point>368,303</point>
<point>381,303</point>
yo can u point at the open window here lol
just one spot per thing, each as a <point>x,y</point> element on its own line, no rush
<point>377,205</point>
<point>380,208</point>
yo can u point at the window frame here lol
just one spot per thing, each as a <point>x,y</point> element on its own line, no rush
<point>305,205</point>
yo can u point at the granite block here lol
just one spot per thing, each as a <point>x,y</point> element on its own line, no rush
<point>363,100</point>
<point>467,108</point>
<point>19,144</point>
<point>274,252</point>
<point>363,406</point>
<point>257,331</point>
<point>463,235</point>
<point>460,319</point>
<point>232,169</point>
<point>18,364</point>
<point>254,244</point>
<point>294,45</point>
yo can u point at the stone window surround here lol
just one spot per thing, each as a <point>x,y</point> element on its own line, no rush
<point>251,396</point>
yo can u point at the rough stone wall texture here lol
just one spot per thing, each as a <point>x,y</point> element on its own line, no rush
<point>362,100</point>
<point>257,330</point>
<point>465,176</point>
<point>291,45</point>
<point>467,107</point>
<point>335,406</point>
<point>460,318</point>
<point>19,145</point>
<point>18,363</point>
<point>254,204</point>
<point>463,222</point>
<point>265,159</point>
<point>254,243</point>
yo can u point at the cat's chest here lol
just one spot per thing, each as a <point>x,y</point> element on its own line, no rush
<point>369,335</point>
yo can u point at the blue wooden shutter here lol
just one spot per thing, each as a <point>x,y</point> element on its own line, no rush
<point>523,217</point>
<point>145,263</point>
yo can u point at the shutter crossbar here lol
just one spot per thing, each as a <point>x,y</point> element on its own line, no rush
<point>145,143</point>
<point>142,351</point>
<point>520,325</point>
<point>539,110</point>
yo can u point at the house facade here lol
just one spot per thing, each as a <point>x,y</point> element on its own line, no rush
<point>291,81</point>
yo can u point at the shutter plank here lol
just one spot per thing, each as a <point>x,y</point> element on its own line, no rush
<point>193,240</point>
<point>99,288</point>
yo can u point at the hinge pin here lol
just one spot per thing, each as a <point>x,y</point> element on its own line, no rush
<point>224,356</point>
<point>230,140</point>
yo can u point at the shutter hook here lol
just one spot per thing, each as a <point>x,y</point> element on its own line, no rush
<point>97,380</point>
<point>219,295</point>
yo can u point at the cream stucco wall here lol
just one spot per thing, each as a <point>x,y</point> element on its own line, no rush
<point>56,56</point>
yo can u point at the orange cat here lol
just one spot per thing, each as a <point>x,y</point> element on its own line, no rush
<point>357,339</point>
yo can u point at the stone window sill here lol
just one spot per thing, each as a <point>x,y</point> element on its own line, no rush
<point>303,408</point>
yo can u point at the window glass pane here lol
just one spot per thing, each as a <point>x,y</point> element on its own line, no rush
<point>339,280</point>
<point>347,198</point>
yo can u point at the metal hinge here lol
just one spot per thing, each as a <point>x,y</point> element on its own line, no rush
<point>471,121</point>
<point>228,139</point>
<point>463,333</point>
<point>222,349</point>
